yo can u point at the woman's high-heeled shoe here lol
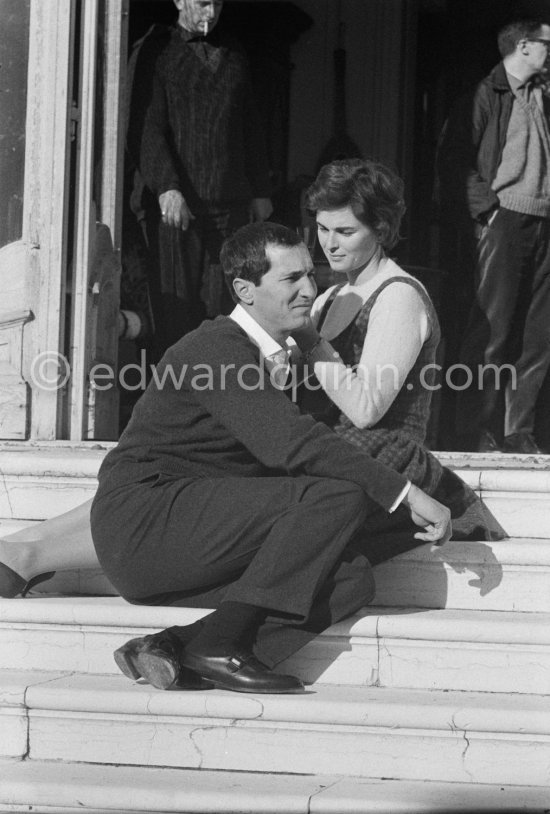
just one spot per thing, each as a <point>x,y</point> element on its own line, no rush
<point>11,584</point>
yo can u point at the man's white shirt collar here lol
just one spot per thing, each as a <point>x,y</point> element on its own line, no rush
<point>276,357</point>
<point>267,345</point>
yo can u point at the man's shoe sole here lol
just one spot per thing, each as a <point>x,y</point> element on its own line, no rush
<point>157,670</point>
<point>125,658</point>
<point>138,659</point>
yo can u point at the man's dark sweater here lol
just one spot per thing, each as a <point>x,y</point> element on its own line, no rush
<point>193,123</point>
<point>208,415</point>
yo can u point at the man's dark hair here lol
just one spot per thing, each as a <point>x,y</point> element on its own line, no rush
<point>372,190</point>
<point>512,33</point>
<point>244,253</point>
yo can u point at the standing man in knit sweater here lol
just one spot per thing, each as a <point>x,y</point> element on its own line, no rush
<point>195,136</point>
<point>494,167</point>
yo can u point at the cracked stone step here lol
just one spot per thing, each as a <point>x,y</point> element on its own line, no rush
<point>507,575</point>
<point>491,738</point>
<point>67,787</point>
<point>42,479</point>
<point>390,647</point>
<point>432,649</point>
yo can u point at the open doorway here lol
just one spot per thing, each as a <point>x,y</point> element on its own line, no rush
<point>457,47</point>
<point>267,32</point>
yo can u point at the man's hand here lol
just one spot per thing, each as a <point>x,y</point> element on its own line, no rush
<point>174,210</point>
<point>430,514</point>
<point>260,209</point>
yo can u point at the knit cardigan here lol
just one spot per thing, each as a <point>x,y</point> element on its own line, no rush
<point>192,128</point>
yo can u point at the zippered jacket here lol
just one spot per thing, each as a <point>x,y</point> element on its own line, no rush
<point>471,144</point>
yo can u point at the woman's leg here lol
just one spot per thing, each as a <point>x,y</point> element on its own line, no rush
<point>58,544</point>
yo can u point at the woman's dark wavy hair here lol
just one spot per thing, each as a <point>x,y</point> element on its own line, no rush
<point>372,190</point>
<point>244,253</point>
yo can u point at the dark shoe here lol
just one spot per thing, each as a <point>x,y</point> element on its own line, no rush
<point>11,584</point>
<point>173,638</point>
<point>521,442</point>
<point>156,659</point>
<point>488,443</point>
<point>242,672</point>
<point>126,656</point>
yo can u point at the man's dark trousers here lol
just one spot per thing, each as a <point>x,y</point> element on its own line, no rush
<point>509,325</point>
<point>188,283</point>
<point>288,544</point>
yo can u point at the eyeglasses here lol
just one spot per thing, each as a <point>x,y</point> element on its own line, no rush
<point>538,39</point>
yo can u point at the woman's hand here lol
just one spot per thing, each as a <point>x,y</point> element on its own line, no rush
<point>430,514</point>
<point>306,337</point>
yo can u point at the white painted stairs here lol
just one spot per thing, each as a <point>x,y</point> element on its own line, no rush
<point>437,698</point>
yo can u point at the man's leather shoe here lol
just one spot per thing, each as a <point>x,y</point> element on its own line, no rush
<point>126,656</point>
<point>488,442</point>
<point>521,442</point>
<point>241,672</point>
<point>157,659</point>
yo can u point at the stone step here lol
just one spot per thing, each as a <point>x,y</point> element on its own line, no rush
<point>508,575</point>
<point>450,702</point>
<point>516,488</point>
<point>371,732</point>
<point>40,480</point>
<point>426,649</point>
<point>43,479</point>
<point>66,787</point>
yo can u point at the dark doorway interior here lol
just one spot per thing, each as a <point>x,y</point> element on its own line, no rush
<point>267,32</point>
<point>456,48</point>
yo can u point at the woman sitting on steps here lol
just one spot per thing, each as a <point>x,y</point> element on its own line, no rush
<point>371,340</point>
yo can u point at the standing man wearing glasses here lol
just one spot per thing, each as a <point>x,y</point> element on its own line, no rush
<point>494,168</point>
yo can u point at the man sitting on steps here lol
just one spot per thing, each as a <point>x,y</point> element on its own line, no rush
<point>221,494</point>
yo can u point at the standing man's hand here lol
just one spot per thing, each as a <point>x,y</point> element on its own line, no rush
<point>260,209</point>
<point>430,514</point>
<point>174,210</point>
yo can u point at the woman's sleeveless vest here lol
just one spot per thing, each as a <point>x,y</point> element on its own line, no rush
<point>397,439</point>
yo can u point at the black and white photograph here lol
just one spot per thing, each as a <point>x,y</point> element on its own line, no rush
<point>275,406</point>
